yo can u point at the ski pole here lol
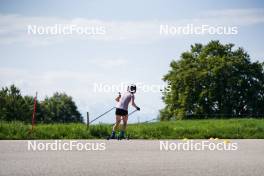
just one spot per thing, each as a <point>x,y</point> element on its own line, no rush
<point>131,112</point>
<point>102,115</point>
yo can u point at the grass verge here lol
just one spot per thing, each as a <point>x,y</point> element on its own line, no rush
<point>191,129</point>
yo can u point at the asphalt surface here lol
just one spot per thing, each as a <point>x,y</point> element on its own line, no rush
<point>133,157</point>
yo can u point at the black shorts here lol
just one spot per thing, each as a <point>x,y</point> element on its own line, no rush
<point>121,112</point>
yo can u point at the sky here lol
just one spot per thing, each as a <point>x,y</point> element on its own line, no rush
<point>130,50</point>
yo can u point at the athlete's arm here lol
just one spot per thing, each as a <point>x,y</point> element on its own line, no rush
<point>134,104</point>
<point>118,97</point>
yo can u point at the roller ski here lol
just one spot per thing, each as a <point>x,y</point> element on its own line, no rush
<point>121,136</point>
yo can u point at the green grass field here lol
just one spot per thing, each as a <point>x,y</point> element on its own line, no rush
<point>191,129</point>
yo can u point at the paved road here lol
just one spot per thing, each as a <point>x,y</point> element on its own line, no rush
<point>134,157</point>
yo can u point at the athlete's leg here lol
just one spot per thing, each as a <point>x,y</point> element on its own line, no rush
<point>118,120</point>
<point>125,118</point>
<point>122,133</point>
<point>116,125</point>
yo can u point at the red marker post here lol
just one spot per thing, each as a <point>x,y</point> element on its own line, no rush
<point>34,110</point>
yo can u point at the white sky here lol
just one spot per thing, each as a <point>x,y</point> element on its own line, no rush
<point>132,50</point>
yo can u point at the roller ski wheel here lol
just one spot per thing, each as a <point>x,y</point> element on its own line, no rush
<point>121,138</point>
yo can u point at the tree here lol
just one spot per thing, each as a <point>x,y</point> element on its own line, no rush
<point>60,108</point>
<point>214,80</point>
<point>13,106</point>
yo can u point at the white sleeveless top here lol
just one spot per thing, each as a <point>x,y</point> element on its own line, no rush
<point>124,100</point>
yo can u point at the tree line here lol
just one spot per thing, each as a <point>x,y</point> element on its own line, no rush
<point>59,108</point>
<point>214,80</point>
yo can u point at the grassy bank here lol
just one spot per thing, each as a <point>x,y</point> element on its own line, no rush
<point>192,129</point>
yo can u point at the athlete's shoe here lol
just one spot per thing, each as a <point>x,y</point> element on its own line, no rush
<point>121,135</point>
<point>113,136</point>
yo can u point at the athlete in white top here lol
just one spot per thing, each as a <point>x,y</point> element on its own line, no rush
<point>122,109</point>
<point>124,100</point>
